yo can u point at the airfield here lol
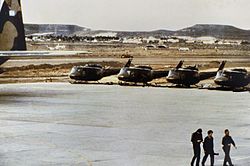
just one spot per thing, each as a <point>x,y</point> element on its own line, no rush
<point>45,120</point>
<point>56,69</point>
<point>96,125</point>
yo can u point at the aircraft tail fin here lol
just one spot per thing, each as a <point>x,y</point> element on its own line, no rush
<point>180,64</point>
<point>128,64</point>
<point>12,36</point>
<point>222,65</point>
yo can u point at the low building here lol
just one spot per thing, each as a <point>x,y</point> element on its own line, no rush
<point>183,49</point>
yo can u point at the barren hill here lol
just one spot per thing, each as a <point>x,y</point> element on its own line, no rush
<point>198,30</point>
<point>218,31</point>
<point>57,29</point>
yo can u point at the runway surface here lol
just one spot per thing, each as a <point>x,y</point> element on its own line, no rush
<point>139,60</point>
<point>98,125</point>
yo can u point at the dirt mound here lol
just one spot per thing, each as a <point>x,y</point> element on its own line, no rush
<point>60,66</point>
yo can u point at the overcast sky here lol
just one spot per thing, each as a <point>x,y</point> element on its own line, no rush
<point>138,14</point>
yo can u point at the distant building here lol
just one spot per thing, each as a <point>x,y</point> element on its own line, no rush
<point>106,34</point>
<point>206,39</point>
<point>190,41</point>
<point>229,42</point>
<point>132,41</point>
<point>173,40</point>
<point>151,40</point>
<point>183,49</point>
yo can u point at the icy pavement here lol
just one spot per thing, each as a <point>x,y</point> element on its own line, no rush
<point>92,125</point>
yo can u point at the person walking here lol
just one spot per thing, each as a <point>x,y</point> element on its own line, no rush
<point>227,141</point>
<point>196,139</point>
<point>208,146</point>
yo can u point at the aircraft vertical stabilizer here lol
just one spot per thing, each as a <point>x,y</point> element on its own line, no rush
<point>222,65</point>
<point>12,36</point>
<point>128,64</point>
<point>180,64</point>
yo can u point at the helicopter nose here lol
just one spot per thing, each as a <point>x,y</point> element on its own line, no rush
<point>121,76</point>
<point>221,79</point>
<point>171,77</point>
<point>75,74</point>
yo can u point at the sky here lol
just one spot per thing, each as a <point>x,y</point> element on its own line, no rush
<point>138,14</point>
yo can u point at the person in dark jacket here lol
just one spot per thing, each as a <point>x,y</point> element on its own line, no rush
<point>227,141</point>
<point>196,140</point>
<point>208,146</point>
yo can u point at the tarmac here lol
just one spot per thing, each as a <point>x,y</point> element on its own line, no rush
<point>98,125</point>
